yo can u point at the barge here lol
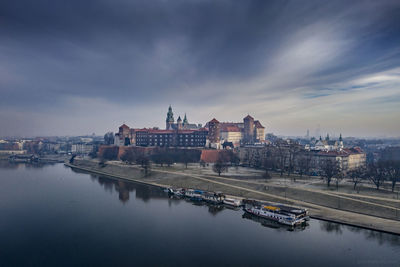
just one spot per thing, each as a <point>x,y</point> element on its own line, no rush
<point>213,198</point>
<point>283,214</point>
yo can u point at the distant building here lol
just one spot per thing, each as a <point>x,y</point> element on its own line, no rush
<point>181,125</point>
<point>231,133</point>
<point>145,137</point>
<point>171,138</point>
<point>347,159</point>
<point>249,131</point>
<point>184,134</point>
<point>327,144</point>
<point>81,148</point>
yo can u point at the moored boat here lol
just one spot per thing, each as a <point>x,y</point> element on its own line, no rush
<point>178,192</point>
<point>234,202</point>
<point>214,198</point>
<point>276,212</point>
<point>194,195</point>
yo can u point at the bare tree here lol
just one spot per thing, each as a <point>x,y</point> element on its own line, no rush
<point>129,156</point>
<point>293,151</point>
<point>357,176</point>
<point>109,138</point>
<point>146,164</point>
<point>376,174</point>
<point>141,159</point>
<point>267,164</point>
<point>110,153</point>
<point>391,171</point>
<point>330,169</point>
<point>396,174</point>
<point>282,156</point>
<point>220,167</point>
<point>304,164</point>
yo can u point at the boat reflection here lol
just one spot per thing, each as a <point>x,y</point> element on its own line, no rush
<point>275,225</point>
<point>214,209</point>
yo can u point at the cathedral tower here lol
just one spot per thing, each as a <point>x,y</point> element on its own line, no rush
<point>170,119</point>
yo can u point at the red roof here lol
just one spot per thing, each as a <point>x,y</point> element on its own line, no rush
<point>124,126</point>
<point>142,130</point>
<point>214,121</point>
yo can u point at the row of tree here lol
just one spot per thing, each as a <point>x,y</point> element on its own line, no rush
<point>282,157</point>
<point>288,158</point>
<point>376,172</point>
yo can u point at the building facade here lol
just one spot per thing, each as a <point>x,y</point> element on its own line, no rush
<point>162,138</point>
<point>184,134</point>
<point>249,131</point>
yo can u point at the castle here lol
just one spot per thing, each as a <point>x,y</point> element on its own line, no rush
<point>184,134</point>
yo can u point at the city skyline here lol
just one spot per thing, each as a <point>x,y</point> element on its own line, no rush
<point>77,68</point>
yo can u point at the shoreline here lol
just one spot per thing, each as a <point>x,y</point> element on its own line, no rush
<point>316,212</point>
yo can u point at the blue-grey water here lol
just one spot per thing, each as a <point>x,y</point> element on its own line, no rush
<point>53,216</point>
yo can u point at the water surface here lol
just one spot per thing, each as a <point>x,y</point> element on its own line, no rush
<point>53,216</point>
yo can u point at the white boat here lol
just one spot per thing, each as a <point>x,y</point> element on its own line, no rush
<point>232,202</point>
<point>276,213</point>
<point>176,192</point>
<point>214,198</point>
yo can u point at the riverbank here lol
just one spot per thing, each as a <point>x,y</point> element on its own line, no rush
<point>320,204</point>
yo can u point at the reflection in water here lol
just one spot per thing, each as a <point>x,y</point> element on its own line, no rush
<point>214,209</point>
<point>5,164</point>
<point>331,227</point>
<point>272,224</point>
<point>142,191</point>
<point>124,188</point>
<point>381,237</point>
<point>374,235</point>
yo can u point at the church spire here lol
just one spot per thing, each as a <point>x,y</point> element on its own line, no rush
<point>170,118</point>
<point>185,120</point>
<point>327,137</point>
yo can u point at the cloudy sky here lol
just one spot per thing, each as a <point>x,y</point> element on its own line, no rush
<point>78,67</point>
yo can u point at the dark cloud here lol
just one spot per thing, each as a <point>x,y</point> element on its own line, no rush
<point>131,53</point>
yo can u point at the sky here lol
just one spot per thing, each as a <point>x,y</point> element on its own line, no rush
<point>82,67</point>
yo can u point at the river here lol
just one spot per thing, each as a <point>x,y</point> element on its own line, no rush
<point>51,215</point>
